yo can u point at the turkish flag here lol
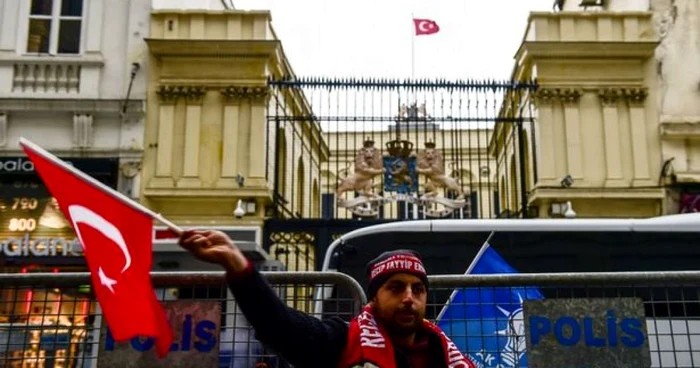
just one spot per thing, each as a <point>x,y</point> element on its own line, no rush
<point>425,26</point>
<point>117,240</point>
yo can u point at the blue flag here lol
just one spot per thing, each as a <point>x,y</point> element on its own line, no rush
<point>487,322</point>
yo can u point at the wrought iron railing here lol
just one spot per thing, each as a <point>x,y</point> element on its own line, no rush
<point>398,149</point>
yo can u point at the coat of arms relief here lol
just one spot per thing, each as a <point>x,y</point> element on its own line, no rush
<point>401,172</point>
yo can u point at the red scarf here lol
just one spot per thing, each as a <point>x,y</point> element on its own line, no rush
<point>368,345</point>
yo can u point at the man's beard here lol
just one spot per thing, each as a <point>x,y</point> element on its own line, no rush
<point>394,327</point>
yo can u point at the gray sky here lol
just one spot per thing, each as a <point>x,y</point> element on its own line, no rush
<point>477,38</point>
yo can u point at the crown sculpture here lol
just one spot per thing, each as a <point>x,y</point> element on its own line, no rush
<point>399,169</point>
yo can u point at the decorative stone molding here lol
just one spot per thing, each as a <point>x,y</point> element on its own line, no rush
<point>59,77</point>
<point>679,127</point>
<point>570,95</point>
<point>564,95</point>
<point>170,94</point>
<point>545,96</point>
<point>610,96</point>
<point>82,131</point>
<point>636,96</point>
<point>3,129</point>
<point>87,106</point>
<point>193,94</point>
<point>255,93</point>
<point>130,169</point>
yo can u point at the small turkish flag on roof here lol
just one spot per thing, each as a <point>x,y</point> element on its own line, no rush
<point>425,26</point>
<point>117,238</point>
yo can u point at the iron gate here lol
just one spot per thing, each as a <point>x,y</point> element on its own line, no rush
<point>356,150</point>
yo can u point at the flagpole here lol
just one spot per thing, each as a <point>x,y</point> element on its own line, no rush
<point>413,46</point>
<point>480,253</point>
<point>115,194</point>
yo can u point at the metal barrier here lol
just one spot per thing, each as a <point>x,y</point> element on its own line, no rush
<point>671,303</point>
<point>53,320</point>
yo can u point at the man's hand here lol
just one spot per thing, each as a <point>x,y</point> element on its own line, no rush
<point>214,247</point>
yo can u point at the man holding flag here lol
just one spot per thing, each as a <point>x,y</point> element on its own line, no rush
<point>390,332</point>
<point>116,234</point>
<point>487,323</point>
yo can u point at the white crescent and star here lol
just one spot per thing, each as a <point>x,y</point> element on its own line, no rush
<point>80,214</point>
<point>425,25</point>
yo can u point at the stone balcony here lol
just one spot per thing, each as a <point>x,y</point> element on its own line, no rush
<point>51,78</point>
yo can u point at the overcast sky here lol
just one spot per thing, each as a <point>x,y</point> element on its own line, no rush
<point>477,38</point>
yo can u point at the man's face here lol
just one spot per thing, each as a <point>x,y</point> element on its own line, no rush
<point>400,304</point>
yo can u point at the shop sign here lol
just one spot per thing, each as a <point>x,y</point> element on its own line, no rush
<point>18,165</point>
<point>40,247</point>
<point>196,339</point>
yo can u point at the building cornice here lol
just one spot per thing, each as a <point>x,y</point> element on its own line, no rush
<point>212,48</point>
<point>227,12</point>
<point>122,153</point>
<point>585,49</point>
<point>92,59</point>
<point>71,105</point>
<point>588,14</point>
<point>562,194</point>
<point>679,127</point>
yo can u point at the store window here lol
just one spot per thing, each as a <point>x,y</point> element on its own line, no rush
<point>55,26</point>
<point>44,327</point>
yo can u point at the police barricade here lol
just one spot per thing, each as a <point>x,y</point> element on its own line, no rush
<point>631,319</point>
<point>53,320</point>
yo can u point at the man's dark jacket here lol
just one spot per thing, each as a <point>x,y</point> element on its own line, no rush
<point>302,340</point>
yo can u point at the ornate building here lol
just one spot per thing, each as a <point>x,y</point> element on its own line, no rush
<point>211,155</point>
<point>71,80</point>
<point>596,144</point>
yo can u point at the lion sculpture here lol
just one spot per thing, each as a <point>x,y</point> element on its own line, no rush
<point>368,164</point>
<point>431,164</point>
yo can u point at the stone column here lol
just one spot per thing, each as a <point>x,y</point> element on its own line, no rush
<point>3,129</point>
<point>244,135</point>
<point>574,162</point>
<point>638,126</point>
<point>546,166</point>
<point>610,99</point>
<point>130,180</point>
<point>194,96</point>
<point>164,145</point>
<point>258,141</point>
<point>93,31</point>
<point>230,137</point>
<point>82,131</point>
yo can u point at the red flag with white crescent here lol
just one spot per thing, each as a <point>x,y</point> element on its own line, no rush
<point>425,26</point>
<point>117,240</point>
